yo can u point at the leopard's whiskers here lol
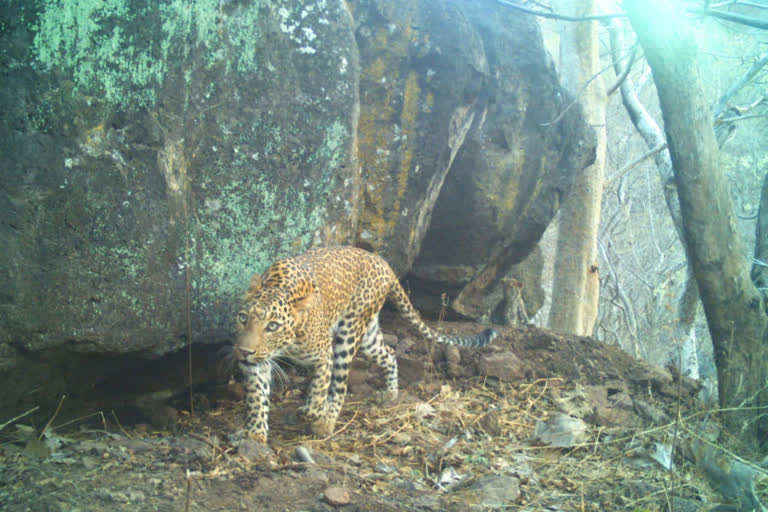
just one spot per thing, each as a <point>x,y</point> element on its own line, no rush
<point>278,374</point>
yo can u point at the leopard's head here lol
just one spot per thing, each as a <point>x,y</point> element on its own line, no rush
<point>267,322</point>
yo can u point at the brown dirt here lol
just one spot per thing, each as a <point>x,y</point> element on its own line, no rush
<point>470,410</point>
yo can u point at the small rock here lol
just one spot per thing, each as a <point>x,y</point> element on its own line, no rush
<point>90,462</point>
<point>497,490</point>
<point>402,438</point>
<point>135,445</point>
<point>611,417</point>
<point>37,448</point>
<point>651,412</point>
<point>254,450</point>
<point>560,430</point>
<point>452,361</point>
<point>504,365</point>
<point>679,504</point>
<point>490,423</point>
<point>93,447</point>
<point>424,412</point>
<point>336,496</point>
<point>136,496</point>
<point>362,389</point>
<point>621,400</point>
<point>163,417</point>
<point>25,431</point>
<point>380,467</point>
<point>518,465</point>
<point>303,455</point>
<point>450,478</point>
<point>731,477</point>
<point>410,370</point>
<point>409,485</point>
<point>187,449</point>
<point>645,373</point>
<point>114,496</point>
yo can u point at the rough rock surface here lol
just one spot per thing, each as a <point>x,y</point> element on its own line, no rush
<point>465,87</point>
<point>519,156</point>
<point>155,157</point>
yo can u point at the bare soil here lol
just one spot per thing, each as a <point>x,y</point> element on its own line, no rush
<point>457,438</point>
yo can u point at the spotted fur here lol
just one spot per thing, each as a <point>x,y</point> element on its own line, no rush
<point>318,309</point>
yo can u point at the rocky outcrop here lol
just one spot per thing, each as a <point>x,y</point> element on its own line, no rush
<point>465,87</point>
<point>155,156</point>
<point>517,161</point>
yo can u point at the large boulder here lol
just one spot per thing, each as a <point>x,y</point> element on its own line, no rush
<point>424,79</point>
<point>155,155</point>
<point>527,141</point>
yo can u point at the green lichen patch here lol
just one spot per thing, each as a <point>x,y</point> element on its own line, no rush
<point>254,225</point>
<point>122,51</point>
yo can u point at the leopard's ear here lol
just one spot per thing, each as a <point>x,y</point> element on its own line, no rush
<point>253,287</point>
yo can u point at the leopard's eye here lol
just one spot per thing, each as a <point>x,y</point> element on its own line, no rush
<point>272,326</point>
<point>242,318</point>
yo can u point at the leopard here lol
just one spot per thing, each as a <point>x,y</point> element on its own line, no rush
<point>319,309</point>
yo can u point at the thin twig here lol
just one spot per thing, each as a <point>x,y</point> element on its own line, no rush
<point>624,170</point>
<point>562,17</point>
<point>19,417</point>
<point>58,408</point>
<point>188,491</point>
<point>216,448</point>
<point>119,424</point>
<point>81,418</point>
<point>732,17</point>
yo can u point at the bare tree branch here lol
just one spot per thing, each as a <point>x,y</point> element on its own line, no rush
<point>631,165</point>
<point>563,17</point>
<point>748,76</point>
<point>623,76</point>
<point>581,91</point>
<point>729,16</point>
<point>740,2</point>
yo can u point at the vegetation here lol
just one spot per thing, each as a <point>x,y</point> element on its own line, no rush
<point>705,100</point>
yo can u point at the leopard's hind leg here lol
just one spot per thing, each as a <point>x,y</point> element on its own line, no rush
<point>346,338</point>
<point>373,348</point>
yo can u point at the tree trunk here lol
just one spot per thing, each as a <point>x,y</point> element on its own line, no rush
<point>760,264</point>
<point>576,281</point>
<point>733,306</point>
<point>684,354</point>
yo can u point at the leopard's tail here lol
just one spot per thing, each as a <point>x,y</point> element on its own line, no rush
<point>398,296</point>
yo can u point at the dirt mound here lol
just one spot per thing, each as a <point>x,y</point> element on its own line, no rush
<point>459,437</point>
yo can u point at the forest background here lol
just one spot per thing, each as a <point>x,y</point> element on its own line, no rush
<point>645,302</point>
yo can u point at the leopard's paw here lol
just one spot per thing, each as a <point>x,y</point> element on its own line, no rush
<point>306,414</point>
<point>383,397</point>
<point>258,437</point>
<point>322,428</point>
<point>255,448</point>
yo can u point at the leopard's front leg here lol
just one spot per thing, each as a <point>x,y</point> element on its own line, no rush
<point>258,379</point>
<point>315,410</point>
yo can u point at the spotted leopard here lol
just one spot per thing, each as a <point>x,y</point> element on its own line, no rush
<point>318,309</point>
